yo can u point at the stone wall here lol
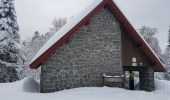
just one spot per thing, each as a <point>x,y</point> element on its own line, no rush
<point>94,50</point>
<point>147,79</point>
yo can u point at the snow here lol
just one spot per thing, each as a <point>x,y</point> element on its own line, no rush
<point>25,85</point>
<point>117,2</point>
<point>30,85</point>
<point>66,28</point>
<point>112,76</point>
<point>151,50</point>
<point>26,89</point>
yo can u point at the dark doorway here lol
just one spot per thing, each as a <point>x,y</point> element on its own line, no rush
<point>131,78</point>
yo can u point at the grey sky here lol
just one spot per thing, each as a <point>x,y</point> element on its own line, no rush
<point>37,15</point>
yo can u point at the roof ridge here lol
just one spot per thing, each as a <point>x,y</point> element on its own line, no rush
<point>67,31</point>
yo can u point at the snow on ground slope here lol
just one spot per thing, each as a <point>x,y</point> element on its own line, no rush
<point>26,90</point>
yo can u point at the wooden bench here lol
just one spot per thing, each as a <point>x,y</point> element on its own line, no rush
<point>112,81</point>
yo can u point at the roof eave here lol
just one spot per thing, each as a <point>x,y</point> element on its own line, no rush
<point>123,20</point>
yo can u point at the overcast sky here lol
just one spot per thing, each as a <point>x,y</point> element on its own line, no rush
<point>37,15</point>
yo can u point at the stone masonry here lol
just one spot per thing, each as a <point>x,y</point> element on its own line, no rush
<point>146,79</point>
<point>94,50</point>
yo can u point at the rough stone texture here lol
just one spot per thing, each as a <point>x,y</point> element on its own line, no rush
<point>147,79</point>
<point>94,50</point>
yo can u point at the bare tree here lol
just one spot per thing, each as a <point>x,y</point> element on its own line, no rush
<point>148,34</point>
<point>57,24</point>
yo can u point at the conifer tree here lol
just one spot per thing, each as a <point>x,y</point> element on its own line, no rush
<point>167,58</point>
<point>169,39</point>
<point>10,58</point>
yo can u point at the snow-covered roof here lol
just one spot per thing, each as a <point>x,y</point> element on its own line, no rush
<point>76,22</point>
<point>66,28</point>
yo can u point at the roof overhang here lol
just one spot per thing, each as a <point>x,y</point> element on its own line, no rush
<point>124,22</point>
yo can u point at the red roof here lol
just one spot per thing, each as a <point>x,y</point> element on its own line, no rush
<point>121,18</point>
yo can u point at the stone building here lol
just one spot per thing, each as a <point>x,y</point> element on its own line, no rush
<point>95,49</point>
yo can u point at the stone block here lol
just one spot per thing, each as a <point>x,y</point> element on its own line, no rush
<point>88,55</point>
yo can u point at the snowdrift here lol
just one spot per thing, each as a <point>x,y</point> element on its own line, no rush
<point>27,89</point>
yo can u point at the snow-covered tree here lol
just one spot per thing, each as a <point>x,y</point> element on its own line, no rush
<point>10,55</point>
<point>32,46</point>
<point>38,40</point>
<point>167,64</point>
<point>148,34</point>
<point>168,47</point>
<point>167,58</point>
<point>57,24</point>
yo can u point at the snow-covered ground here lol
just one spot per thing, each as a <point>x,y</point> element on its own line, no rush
<point>26,89</point>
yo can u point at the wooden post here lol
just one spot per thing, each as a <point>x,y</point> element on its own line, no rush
<point>104,79</point>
